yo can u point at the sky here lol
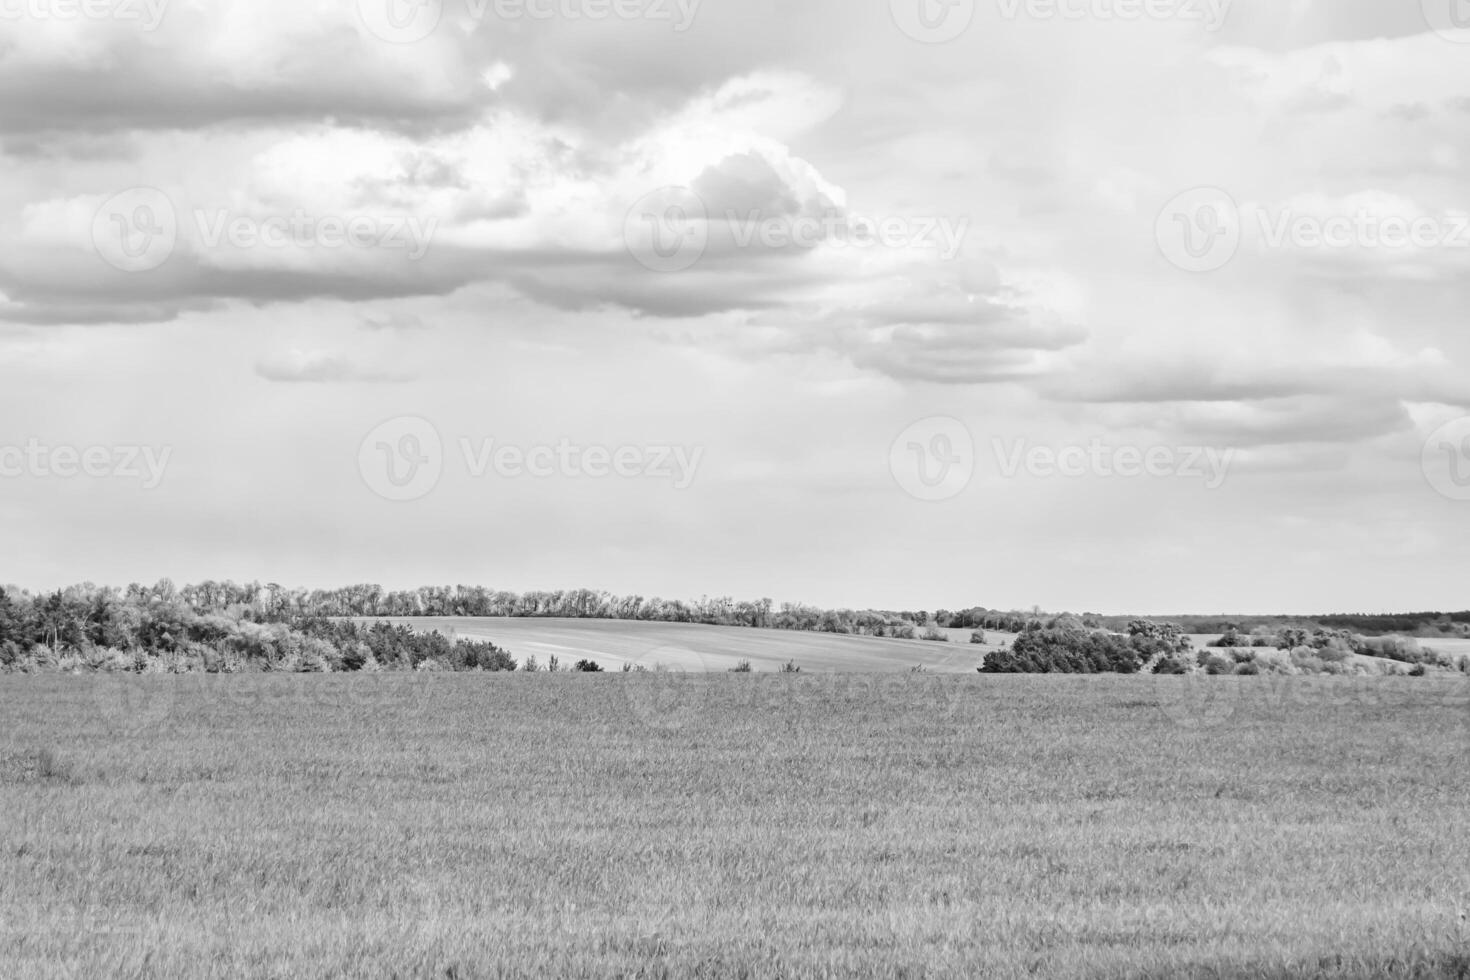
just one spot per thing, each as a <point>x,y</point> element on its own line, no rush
<point>1096,305</point>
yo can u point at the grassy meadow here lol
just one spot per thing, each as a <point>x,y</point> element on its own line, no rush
<point>760,825</point>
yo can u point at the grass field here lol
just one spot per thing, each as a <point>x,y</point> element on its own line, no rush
<point>674,825</point>
<point>697,648</point>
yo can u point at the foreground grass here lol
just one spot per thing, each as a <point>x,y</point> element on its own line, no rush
<point>461,826</point>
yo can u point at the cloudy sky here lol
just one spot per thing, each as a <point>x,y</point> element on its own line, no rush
<point>1091,304</point>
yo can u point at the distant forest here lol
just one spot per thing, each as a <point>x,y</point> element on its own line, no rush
<point>273,603</point>
<point>225,626</point>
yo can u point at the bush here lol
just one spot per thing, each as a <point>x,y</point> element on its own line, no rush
<point>743,667</point>
<point>1248,668</point>
<point>587,667</point>
<point>789,667</point>
<point>1174,665</point>
<point>978,637</point>
<point>1075,651</point>
<point>1215,665</point>
<point>934,635</point>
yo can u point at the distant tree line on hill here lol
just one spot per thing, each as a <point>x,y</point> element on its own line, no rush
<point>1429,624</point>
<point>272,603</point>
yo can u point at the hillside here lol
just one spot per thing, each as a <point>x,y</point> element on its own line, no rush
<point>692,647</point>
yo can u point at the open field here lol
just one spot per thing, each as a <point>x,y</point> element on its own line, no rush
<point>696,648</point>
<point>668,825</point>
<point>1455,647</point>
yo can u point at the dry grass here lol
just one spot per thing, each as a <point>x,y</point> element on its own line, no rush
<point>757,825</point>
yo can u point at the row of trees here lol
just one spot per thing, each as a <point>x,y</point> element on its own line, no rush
<point>140,629</point>
<point>274,603</point>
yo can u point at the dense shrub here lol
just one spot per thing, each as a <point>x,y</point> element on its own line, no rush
<point>142,630</point>
<point>587,667</point>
